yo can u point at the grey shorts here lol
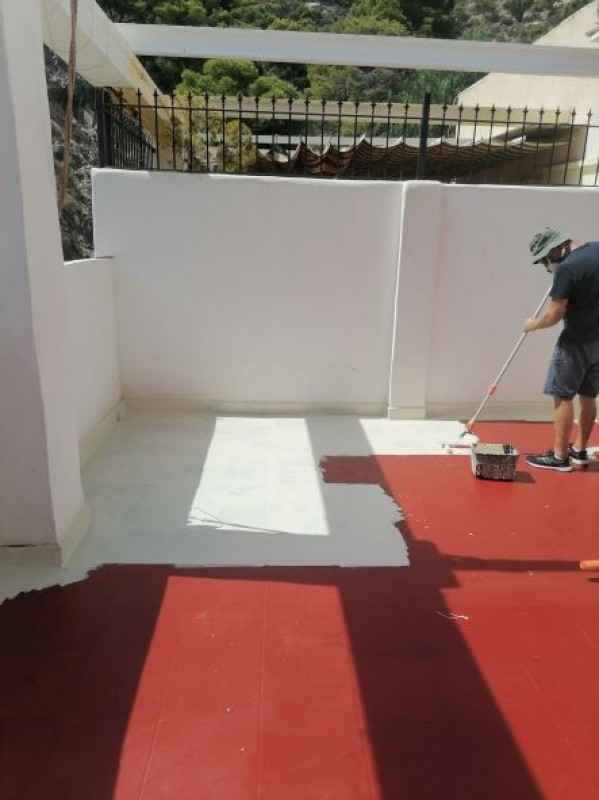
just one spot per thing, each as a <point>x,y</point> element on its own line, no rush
<point>574,369</point>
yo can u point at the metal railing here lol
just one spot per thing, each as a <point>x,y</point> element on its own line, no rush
<point>122,140</point>
<point>348,139</point>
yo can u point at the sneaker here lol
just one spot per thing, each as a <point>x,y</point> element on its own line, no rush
<point>549,461</point>
<point>578,457</point>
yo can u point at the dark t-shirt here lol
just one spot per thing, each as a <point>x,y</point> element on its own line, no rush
<point>577,278</point>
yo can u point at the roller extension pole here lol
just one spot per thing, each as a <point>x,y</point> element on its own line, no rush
<point>493,387</point>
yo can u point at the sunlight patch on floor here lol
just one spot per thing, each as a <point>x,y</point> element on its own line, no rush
<point>259,475</point>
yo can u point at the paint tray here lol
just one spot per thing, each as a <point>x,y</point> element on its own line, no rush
<point>496,462</point>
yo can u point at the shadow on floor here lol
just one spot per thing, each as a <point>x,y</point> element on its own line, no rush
<point>460,676</point>
<point>119,687</point>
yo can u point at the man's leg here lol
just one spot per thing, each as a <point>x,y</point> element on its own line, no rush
<point>558,384</point>
<point>588,412</point>
<point>563,419</point>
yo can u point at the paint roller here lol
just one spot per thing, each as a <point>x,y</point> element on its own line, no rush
<point>493,387</point>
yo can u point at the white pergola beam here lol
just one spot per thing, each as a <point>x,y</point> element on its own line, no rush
<point>357,50</point>
<point>104,57</point>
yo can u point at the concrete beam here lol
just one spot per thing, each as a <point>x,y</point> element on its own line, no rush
<point>357,50</point>
<point>104,57</point>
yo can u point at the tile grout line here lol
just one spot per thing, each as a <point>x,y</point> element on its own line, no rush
<point>367,753</point>
<point>261,704</point>
<point>163,701</point>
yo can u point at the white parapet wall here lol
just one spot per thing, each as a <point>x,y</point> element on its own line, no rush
<point>466,285</point>
<point>270,294</point>
<point>250,293</point>
<point>92,336</point>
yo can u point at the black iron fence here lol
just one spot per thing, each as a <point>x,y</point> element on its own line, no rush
<point>348,139</point>
<point>123,142</point>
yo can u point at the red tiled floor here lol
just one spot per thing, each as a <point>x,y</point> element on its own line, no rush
<point>470,674</point>
<point>93,759</point>
<point>310,756</point>
<point>193,759</point>
<point>25,749</point>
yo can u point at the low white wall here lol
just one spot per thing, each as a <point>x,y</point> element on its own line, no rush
<point>246,292</point>
<point>92,336</point>
<point>265,294</point>
<point>466,284</point>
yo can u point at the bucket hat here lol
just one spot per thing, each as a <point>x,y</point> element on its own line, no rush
<point>544,241</point>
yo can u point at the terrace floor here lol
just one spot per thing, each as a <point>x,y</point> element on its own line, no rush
<point>418,633</point>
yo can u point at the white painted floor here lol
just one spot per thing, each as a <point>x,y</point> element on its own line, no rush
<point>209,490</point>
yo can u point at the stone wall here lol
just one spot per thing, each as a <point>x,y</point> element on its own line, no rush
<point>76,218</point>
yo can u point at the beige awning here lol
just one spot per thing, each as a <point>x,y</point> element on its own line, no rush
<point>399,159</point>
